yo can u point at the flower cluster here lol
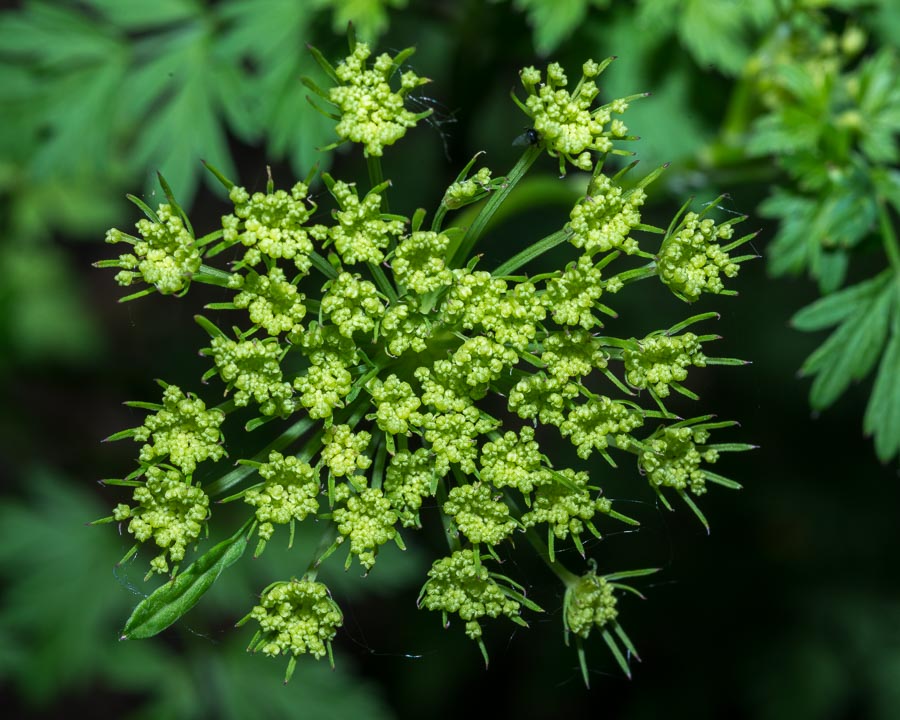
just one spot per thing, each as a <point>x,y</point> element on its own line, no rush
<point>564,121</point>
<point>692,262</point>
<point>295,617</point>
<point>371,113</point>
<point>409,387</point>
<point>183,431</point>
<point>170,511</point>
<point>166,255</point>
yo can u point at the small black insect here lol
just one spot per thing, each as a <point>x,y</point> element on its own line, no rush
<point>529,137</point>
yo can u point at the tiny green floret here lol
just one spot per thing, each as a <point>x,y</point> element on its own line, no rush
<point>371,112</point>
<point>295,618</point>
<point>165,256</point>
<point>692,261</point>
<point>289,494</point>
<point>170,511</point>
<point>564,121</point>
<point>183,431</point>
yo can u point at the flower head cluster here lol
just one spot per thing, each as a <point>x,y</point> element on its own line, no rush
<point>660,360</point>
<point>182,430</point>
<point>461,584</point>
<point>274,303</point>
<point>479,517</point>
<point>409,478</point>
<point>605,218</point>
<point>169,510</point>
<point>564,121</point>
<point>362,231</point>
<point>371,112</point>
<point>271,225</point>
<point>672,459</point>
<point>343,450</point>
<point>295,617</point>
<point>589,425</point>
<point>589,603</point>
<point>419,264</point>
<point>166,255</point>
<point>352,304</point>
<point>253,369</point>
<point>692,261</point>
<point>368,521</point>
<point>572,297</point>
<point>396,401</point>
<point>513,461</point>
<point>290,493</point>
<point>406,380</point>
<point>565,505</point>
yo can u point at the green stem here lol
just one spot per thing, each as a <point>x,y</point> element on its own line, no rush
<point>376,178</point>
<point>476,230</point>
<point>567,577</point>
<point>532,252</point>
<point>325,541</point>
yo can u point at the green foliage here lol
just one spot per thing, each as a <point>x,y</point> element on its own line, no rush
<point>59,616</point>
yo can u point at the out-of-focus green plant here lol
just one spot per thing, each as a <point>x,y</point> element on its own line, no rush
<point>97,95</point>
<point>409,387</point>
<point>51,565</point>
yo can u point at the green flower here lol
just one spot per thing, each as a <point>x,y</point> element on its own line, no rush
<point>589,603</point>
<point>324,386</point>
<point>564,121</point>
<point>352,304</point>
<point>480,517</point>
<point>271,225</point>
<point>461,584</point>
<point>603,220</point>
<point>294,618</point>
<point>467,190</point>
<point>368,522</point>
<point>573,354</point>
<point>409,478</point>
<point>343,450</point>
<point>418,262</point>
<point>290,493</point>
<point>273,302</point>
<point>452,436</point>
<point>165,257</point>
<point>170,511</point>
<point>513,461</point>
<point>572,296</point>
<point>691,261</point>
<point>589,426</point>
<point>362,231</point>
<point>565,505</point>
<point>396,401</point>
<point>253,368</point>
<point>182,430</point>
<point>661,360</point>
<point>672,459</point>
<point>404,328</point>
<point>543,398</point>
<point>371,112</point>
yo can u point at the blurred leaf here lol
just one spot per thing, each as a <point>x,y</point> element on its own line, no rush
<point>55,615</point>
<point>882,418</point>
<point>369,17</point>
<point>553,21</point>
<point>852,350</point>
<point>714,31</point>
